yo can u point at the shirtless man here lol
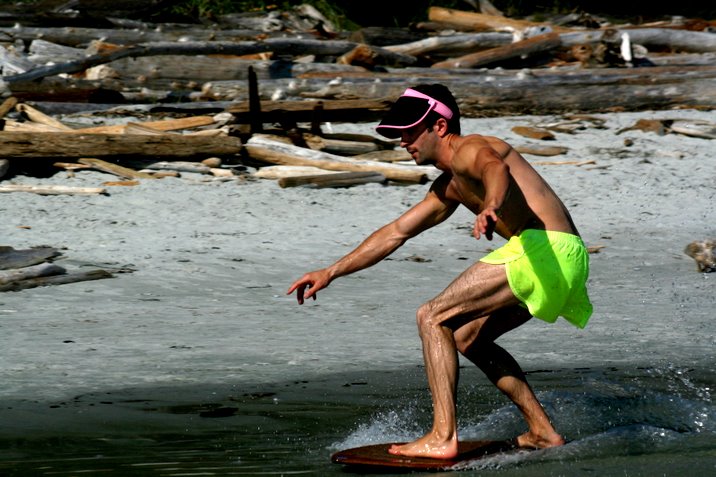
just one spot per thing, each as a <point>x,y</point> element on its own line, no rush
<point>541,271</point>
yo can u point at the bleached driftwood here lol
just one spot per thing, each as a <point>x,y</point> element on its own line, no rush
<point>266,149</point>
<point>524,48</point>
<point>34,271</point>
<point>79,36</point>
<point>12,258</point>
<point>340,146</point>
<point>276,45</point>
<point>52,189</point>
<point>451,45</point>
<point>178,166</point>
<point>278,172</point>
<point>72,277</point>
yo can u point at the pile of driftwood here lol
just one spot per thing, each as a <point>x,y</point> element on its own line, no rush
<point>163,99</point>
<point>35,267</point>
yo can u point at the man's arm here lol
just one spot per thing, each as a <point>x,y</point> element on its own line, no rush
<point>478,162</point>
<point>432,210</point>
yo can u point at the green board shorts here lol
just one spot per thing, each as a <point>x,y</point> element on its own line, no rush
<point>547,271</point>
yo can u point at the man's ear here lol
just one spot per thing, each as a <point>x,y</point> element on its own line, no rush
<point>442,127</point>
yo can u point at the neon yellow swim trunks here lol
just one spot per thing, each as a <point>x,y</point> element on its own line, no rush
<point>547,272</point>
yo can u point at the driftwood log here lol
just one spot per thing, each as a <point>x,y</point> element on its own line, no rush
<point>12,258</point>
<point>313,111</point>
<point>524,48</point>
<point>72,277</point>
<point>333,179</point>
<point>33,271</point>
<point>265,148</point>
<point>60,144</point>
<point>277,46</point>
<point>52,189</point>
<point>487,92</point>
<point>482,21</point>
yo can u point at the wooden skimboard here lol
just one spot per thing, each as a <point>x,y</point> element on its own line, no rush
<point>377,456</point>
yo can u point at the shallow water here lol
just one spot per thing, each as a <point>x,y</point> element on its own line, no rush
<point>646,421</point>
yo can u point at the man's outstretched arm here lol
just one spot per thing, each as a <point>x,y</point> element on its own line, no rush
<point>429,212</point>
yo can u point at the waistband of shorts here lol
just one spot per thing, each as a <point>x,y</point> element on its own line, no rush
<point>552,235</point>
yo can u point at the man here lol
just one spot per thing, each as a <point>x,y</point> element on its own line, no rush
<point>541,271</point>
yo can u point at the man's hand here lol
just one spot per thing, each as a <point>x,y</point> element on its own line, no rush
<point>314,281</point>
<point>485,223</point>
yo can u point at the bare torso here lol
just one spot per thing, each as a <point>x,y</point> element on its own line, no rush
<point>530,203</point>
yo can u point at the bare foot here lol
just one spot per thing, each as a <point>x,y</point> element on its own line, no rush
<point>534,441</point>
<point>428,446</point>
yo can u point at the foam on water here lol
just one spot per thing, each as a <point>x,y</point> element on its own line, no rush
<point>659,411</point>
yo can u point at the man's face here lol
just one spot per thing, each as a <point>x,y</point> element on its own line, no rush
<point>416,141</point>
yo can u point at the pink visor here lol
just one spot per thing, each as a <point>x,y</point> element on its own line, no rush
<point>409,110</point>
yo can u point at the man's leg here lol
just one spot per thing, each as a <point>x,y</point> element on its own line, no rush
<point>479,291</point>
<point>476,341</point>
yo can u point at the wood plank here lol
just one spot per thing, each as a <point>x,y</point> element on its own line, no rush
<point>115,169</point>
<point>163,125</point>
<point>40,117</point>
<point>306,110</point>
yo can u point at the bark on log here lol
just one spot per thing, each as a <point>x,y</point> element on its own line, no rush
<point>55,145</point>
<point>336,179</point>
<point>531,46</point>
<point>266,149</point>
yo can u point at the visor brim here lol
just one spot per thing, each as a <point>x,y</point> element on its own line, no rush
<point>405,113</point>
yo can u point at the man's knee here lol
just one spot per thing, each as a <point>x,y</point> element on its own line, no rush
<point>426,316</point>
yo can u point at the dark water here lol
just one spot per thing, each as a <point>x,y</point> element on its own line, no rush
<point>642,421</point>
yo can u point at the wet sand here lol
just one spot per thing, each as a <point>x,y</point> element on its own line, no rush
<point>200,339</point>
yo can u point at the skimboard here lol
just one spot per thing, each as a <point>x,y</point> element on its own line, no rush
<point>377,456</point>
